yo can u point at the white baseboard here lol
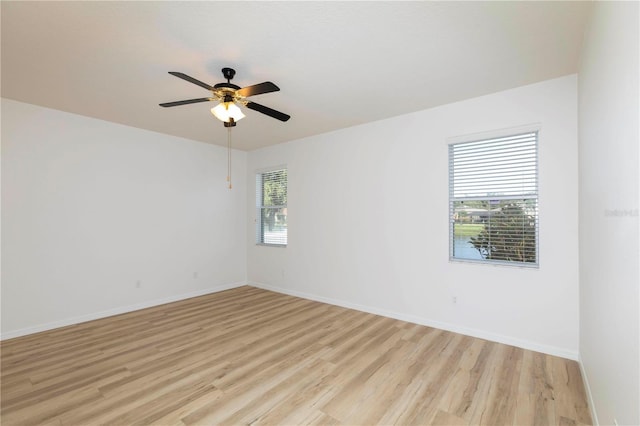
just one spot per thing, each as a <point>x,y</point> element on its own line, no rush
<point>373,310</point>
<point>585,380</point>
<point>116,311</point>
<point>481,334</point>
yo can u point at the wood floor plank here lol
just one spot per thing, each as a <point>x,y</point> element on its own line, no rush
<point>462,395</point>
<point>503,388</point>
<point>294,407</point>
<point>439,379</point>
<point>446,418</point>
<point>251,356</point>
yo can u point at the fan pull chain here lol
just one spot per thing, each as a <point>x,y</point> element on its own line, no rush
<point>229,156</point>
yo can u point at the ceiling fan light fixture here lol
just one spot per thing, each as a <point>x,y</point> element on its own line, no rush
<point>224,111</point>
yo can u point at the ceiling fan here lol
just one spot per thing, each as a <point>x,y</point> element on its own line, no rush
<point>229,95</point>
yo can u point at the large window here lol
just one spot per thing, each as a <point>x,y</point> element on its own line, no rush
<point>493,200</point>
<point>271,203</point>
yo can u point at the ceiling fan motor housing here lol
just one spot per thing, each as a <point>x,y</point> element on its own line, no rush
<point>228,73</point>
<point>226,86</point>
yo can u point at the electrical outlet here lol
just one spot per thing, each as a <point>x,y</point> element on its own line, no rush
<point>195,275</point>
<point>138,283</point>
<point>454,300</point>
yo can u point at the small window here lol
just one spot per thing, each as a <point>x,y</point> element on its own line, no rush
<point>493,200</point>
<point>271,203</point>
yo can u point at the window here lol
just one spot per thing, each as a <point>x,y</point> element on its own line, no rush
<point>493,200</point>
<point>271,203</point>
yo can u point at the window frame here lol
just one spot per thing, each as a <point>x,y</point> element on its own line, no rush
<point>259,175</point>
<point>487,136</point>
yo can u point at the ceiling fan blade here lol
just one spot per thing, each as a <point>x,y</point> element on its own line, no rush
<point>268,111</point>
<point>188,101</point>
<point>258,89</point>
<point>191,80</point>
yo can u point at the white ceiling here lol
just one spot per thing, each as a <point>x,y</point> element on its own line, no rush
<point>338,64</point>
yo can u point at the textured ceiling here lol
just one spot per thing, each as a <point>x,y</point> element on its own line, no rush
<point>338,64</point>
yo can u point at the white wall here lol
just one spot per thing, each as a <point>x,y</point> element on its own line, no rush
<point>91,207</point>
<point>609,232</point>
<point>368,222</point>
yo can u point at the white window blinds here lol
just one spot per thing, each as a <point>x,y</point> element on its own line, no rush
<point>493,194</point>
<point>271,206</point>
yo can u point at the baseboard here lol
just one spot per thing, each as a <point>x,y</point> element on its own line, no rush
<point>585,380</point>
<point>116,311</point>
<point>481,334</point>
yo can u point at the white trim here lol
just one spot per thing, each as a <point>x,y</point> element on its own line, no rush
<point>481,334</point>
<point>525,344</point>
<point>498,133</point>
<point>585,380</point>
<point>270,169</point>
<point>116,311</point>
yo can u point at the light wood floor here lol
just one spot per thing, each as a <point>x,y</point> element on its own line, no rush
<point>250,356</point>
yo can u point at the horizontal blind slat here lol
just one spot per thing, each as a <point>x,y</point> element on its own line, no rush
<point>493,186</point>
<point>271,206</point>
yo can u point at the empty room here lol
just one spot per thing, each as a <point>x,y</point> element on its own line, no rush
<point>462,178</point>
